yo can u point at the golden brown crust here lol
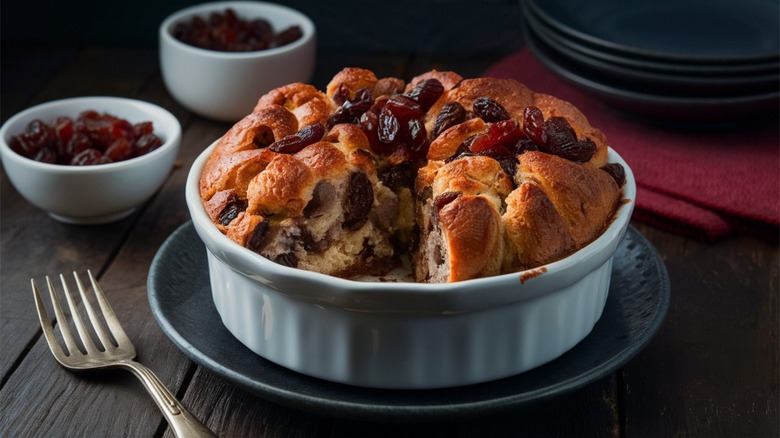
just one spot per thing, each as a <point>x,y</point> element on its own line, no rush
<point>325,208</point>
<point>585,197</point>
<point>233,171</point>
<point>241,149</point>
<point>448,79</point>
<point>471,228</point>
<point>388,87</point>
<point>447,143</point>
<point>281,189</point>
<point>536,230</point>
<point>352,79</point>
<point>305,102</point>
<point>323,158</point>
<point>473,176</point>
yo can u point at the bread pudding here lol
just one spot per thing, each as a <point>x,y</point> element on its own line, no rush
<point>468,177</point>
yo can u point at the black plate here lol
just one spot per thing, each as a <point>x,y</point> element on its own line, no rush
<point>705,109</point>
<point>180,298</point>
<point>673,67</point>
<point>641,79</point>
<point>692,31</point>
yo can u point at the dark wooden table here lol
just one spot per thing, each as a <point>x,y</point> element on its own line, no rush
<point>712,370</point>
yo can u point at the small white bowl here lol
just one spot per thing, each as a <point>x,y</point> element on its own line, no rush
<point>225,86</point>
<point>94,194</point>
<point>408,335</point>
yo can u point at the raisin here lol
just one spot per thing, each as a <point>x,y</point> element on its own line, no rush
<point>35,137</point>
<point>46,154</point>
<point>397,177</point>
<point>146,143</point>
<point>369,123</point>
<point>358,202</point>
<point>394,127</point>
<point>508,165</point>
<point>102,129</point>
<point>16,145</point>
<point>462,150</point>
<point>257,240</point>
<point>616,171</point>
<point>525,145</point>
<point>75,146</point>
<point>231,211</point>
<point>88,157</point>
<point>367,251</point>
<point>403,107</point>
<point>120,149</point>
<point>306,240</point>
<point>63,129</point>
<point>142,128</point>
<point>262,33</point>
<point>109,137</point>
<point>558,133</point>
<point>450,115</point>
<point>401,129</point>
<point>287,259</point>
<point>578,151</point>
<point>226,31</point>
<point>295,142</point>
<point>287,36</point>
<point>351,110</point>
<point>533,125</point>
<point>388,126</point>
<point>426,93</point>
<point>489,110</point>
<point>417,137</point>
<point>562,141</point>
<point>498,137</point>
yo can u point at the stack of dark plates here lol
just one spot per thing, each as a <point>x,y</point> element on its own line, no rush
<point>706,60</point>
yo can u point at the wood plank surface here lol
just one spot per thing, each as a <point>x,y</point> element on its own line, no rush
<point>713,368</point>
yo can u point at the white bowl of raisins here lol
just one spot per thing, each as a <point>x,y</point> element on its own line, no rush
<point>218,58</point>
<point>90,160</point>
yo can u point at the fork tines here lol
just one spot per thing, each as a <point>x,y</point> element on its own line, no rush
<point>71,345</point>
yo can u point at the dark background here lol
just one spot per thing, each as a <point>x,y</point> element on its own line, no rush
<point>461,27</point>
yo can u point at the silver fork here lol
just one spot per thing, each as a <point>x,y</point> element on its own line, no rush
<point>119,354</point>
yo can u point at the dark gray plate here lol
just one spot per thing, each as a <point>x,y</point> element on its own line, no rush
<point>640,78</point>
<point>673,67</point>
<point>692,31</point>
<point>180,298</point>
<point>648,103</point>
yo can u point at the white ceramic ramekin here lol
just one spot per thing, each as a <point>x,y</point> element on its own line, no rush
<point>408,335</point>
<point>225,86</point>
<point>94,194</point>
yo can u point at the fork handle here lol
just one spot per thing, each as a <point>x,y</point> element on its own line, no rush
<point>183,423</point>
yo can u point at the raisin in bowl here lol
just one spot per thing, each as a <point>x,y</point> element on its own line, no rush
<point>391,333</point>
<point>52,156</point>
<point>255,48</point>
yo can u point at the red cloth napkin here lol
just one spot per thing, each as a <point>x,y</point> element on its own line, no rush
<point>704,183</point>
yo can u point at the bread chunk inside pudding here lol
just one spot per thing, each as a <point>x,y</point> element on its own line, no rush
<point>469,177</point>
